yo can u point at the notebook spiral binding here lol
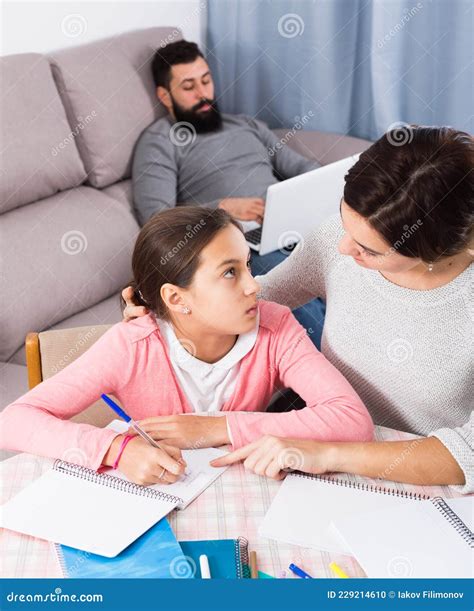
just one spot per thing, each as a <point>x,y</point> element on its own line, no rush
<point>60,558</point>
<point>454,520</point>
<point>242,558</point>
<point>112,482</point>
<point>364,486</point>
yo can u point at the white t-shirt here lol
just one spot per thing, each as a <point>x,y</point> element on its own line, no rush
<point>207,386</point>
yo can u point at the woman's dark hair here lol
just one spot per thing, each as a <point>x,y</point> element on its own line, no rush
<point>415,186</point>
<point>167,250</point>
<point>179,52</point>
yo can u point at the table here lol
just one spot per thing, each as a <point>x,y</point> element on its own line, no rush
<point>234,505</point>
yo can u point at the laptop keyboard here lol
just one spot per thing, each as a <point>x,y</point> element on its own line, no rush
<point>254,236</point>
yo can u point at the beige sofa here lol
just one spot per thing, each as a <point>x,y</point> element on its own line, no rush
<point>69,124</point>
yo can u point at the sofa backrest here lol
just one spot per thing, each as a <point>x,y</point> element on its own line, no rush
<point>109,96</point>
<point>38,155</point>
<point>67,246</point>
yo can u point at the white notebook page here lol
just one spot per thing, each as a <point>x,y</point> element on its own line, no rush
<point>303,510</point>
<point>410,541</point>
<point>199,476</point>
<point>82,514</point>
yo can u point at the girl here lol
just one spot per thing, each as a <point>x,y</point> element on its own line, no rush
<point>205,348</point>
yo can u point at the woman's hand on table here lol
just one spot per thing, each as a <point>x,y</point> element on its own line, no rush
<point>422,461</point>
<point>186,431</point>
<point>274,456</point>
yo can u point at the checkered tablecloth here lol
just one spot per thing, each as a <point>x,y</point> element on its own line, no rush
<point>231,507</point>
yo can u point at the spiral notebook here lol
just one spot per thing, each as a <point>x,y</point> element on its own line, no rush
<point>306,507</point>
<point>228,558</point>
<point>99,512</point>
<point>431,539</point>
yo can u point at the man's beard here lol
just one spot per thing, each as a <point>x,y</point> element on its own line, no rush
<point>202,120</point>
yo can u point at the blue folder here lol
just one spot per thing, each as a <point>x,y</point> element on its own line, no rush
<point>156,554</point>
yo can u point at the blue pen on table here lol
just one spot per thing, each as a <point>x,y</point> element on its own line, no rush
<point>297,571</point>
<point>134,425</point>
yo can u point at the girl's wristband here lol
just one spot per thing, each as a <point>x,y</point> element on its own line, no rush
<point>122,448</point>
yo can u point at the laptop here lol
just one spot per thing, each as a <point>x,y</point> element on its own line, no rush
<point>297,205</point>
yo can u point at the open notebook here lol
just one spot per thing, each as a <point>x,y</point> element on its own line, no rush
<point>305,508</point>
<point>102,513</point>
<point>431,539</point>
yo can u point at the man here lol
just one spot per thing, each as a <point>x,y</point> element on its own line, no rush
<point>196,155</point>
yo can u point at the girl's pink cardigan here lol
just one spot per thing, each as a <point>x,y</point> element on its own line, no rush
<point>131,362</point>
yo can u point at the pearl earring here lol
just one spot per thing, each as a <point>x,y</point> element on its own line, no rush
<point>185,310</point>
<point>430,266</point>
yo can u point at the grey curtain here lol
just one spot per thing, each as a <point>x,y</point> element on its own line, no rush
<point>347,66</point>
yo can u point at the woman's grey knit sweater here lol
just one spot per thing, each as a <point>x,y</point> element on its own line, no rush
<point>408,353</point>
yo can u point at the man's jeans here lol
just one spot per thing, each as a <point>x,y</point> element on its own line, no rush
<point>311,315</point>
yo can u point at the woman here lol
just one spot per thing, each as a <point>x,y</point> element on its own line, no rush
<point>205,347</point>
<point>396,272</point>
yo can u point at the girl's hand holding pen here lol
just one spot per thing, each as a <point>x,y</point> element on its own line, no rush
<point>144,464</point>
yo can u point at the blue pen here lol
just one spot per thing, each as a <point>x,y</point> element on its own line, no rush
<point>297,571</point>
<point>135,426</point>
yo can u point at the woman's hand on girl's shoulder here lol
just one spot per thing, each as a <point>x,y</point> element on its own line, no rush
<point>132,310</point>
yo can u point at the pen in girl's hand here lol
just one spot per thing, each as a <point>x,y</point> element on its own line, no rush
<point>134,425</point>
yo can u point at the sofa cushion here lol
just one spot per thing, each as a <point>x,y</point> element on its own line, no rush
<point>13,383</point>
<point>122,192</point>
<point>106,312</point>
<point>38,155</point>
<point>63,255</point>
<point>109,87</point>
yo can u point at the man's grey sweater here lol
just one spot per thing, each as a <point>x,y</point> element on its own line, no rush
<point>408,353</point>
<point>173,166</point>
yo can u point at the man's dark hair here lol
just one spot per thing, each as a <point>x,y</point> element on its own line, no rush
<point>418,194</point>
<point>179,52</point>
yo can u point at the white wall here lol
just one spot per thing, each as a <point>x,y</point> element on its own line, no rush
<point>42,27</point>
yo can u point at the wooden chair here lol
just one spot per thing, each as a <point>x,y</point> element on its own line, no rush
<point>50,351</point>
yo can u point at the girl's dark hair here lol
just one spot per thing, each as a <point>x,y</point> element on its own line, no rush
<point>168,248</point>
<point>179,52</point>
<point>416,188</point>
